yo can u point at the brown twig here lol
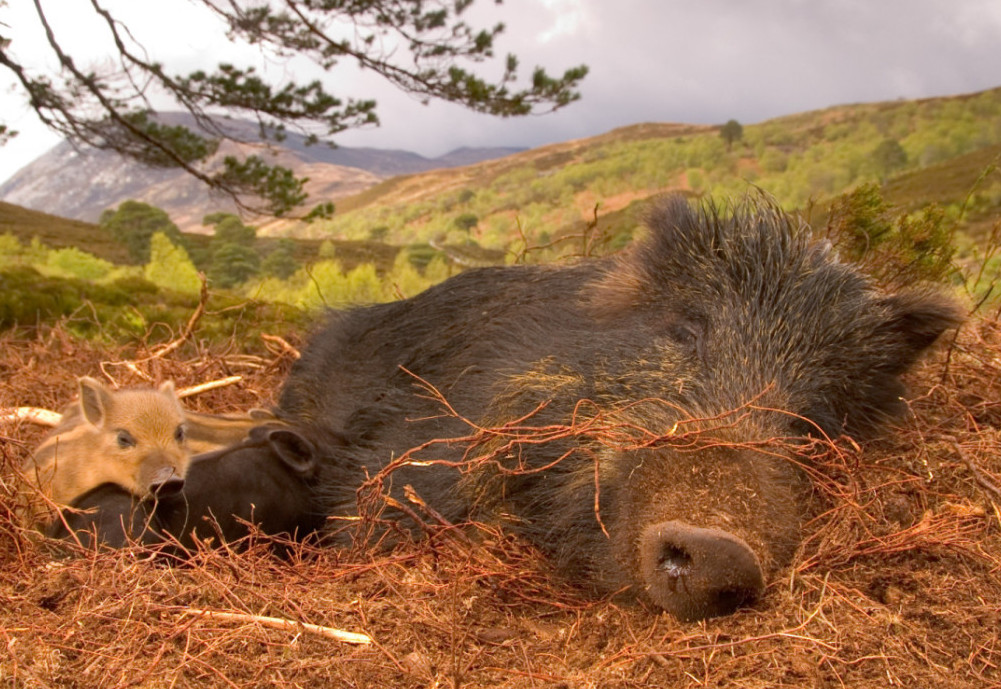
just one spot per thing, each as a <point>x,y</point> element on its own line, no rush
<point>203,299</point>
<point>413,497</point>
<point>978,475</point>
<point>283,345</point>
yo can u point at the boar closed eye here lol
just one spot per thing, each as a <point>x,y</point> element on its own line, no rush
<point>689,334</point>
<point>179,434</point>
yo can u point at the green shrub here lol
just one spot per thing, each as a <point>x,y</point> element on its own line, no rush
<point>11,249</point>
<point>134,223</point>
<point>466,221</point>
<point>72,262</point>
<point>133,309</point>
<point>896,248</point>
<point>281,261</point>
<point>135,285</point>
<point>170,267</point>
<point>28,298</point>
<point>233,264</point>
<point>421,254</point>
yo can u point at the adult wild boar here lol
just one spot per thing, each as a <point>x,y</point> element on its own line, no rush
<point>620,413</point>
<point>714,333</point>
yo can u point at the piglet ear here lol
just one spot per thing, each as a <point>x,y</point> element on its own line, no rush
<point>915,320</point>
<point>168,390</point>
<point>293,449</point>
<point>262,415</point>
<point>95,401</point>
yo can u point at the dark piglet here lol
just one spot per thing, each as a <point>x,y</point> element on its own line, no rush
<point>717,332</point>
<point>265,480</point>
<point>107,515</point>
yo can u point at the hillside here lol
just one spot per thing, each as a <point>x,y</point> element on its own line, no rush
<point>583,196</point>
<point>946,146</point>
<point>59,233</point>
<point>800,159</point>
<point>970,180</point>
<point>82,183</point>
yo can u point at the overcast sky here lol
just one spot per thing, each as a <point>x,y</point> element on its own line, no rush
<point>694,61</point>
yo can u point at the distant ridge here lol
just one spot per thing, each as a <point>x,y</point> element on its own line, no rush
<point>80,183</point>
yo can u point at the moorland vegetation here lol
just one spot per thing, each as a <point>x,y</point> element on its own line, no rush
<point>924,173</point>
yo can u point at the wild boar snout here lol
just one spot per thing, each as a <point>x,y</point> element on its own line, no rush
<point>695,573</point>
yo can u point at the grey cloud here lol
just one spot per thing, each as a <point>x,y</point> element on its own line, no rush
<point>711,60</point>
<point>703,61</point>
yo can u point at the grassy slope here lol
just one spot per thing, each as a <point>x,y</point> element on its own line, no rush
<point>59,233</point>
<point>556,190</point>
<point>957,181</point>
<point>798,159</point>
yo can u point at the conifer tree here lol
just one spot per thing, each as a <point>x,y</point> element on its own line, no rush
<point>281,261</point>
<point>133,223</point>
<point>424,47</point>
<point>731,131</point>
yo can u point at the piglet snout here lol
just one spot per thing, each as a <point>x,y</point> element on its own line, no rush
<point>166,481</point>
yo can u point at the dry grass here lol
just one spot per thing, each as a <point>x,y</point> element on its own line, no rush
<point>897,582</point>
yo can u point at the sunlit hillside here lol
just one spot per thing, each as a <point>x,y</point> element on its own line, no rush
<point>799,159</point>
<point>577,197</point>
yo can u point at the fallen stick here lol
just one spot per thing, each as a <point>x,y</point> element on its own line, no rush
<point>978,474</point>
<point>210,385</point>
<point>279,623</point>
<point>47,417</point>
<point>43,417</point>
<point>282,344</point>
<point>203,299</point>
<point>413,497</point>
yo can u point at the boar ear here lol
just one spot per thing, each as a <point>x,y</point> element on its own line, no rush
<point>915,320</point>
<point>293,449</point>
<point>95,401</point>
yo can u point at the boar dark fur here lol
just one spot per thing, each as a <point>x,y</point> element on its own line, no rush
<point>711,310</point>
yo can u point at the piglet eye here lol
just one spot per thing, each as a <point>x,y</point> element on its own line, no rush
<point>179,434</point>
<point>125,440</point>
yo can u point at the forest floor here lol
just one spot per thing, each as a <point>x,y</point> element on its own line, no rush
<point>897,581</point>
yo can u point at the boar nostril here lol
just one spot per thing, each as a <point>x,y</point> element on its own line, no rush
<point>674,560</point>
<point>695,573</point>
